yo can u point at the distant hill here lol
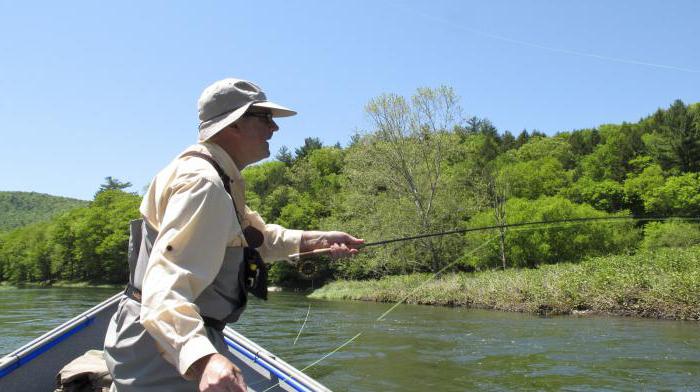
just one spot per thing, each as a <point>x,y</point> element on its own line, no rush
<point>22,208</point>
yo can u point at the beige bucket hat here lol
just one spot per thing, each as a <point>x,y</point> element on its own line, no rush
<point>225,101</point>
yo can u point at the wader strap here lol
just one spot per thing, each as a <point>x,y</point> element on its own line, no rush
<point>135,294</point>
<point>224,177</point>
<point>253,236</point>
<point>132,292</point>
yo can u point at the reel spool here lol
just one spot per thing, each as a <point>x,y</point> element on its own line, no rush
<point>305,266</point>
<point>307,269</point>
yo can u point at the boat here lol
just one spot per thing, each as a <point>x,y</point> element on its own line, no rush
<point>34,366</point>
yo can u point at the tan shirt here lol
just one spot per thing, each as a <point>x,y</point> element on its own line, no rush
<point>193,213</point>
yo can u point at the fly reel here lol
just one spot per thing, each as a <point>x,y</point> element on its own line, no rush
<point>308,269</point>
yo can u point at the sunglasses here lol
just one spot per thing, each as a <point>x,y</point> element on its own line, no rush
<point>266,116</point>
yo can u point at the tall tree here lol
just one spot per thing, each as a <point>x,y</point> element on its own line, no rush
<point>310,144</point>
<point>285,156</point>
<point>508,142</point>
<point>112,183</point>
<point>615,156</point>
<point>496,192</point>
<point>675,137</point>
<point>408,152</point>
<point>522,138</point>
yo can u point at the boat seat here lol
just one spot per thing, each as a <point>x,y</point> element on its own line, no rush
<point>87,373</point>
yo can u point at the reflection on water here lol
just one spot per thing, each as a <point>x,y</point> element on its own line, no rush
<point>427,348</point>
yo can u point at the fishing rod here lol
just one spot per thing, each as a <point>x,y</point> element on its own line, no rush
<point>316,252</point>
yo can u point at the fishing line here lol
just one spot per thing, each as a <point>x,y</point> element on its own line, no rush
<point>334,351</point>
<point>314,363</point>
<point>302,326</point>
<point>23,321</point>
<point>435,275</point>
<point>307,317</point>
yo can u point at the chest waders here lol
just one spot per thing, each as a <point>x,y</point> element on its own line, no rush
<point>132,355</point>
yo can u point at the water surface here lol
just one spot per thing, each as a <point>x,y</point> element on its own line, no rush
<point>419,348</point>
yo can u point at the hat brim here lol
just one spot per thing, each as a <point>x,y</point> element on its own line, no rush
<point>277,110</point>
<point>210,128</point>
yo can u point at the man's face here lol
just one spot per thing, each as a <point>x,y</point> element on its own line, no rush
<point>254,129</point>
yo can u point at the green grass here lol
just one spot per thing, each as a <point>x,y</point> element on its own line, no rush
<point>662,284</point>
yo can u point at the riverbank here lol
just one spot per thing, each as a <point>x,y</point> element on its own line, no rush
<point>659,284</point>
<point>61,284</point>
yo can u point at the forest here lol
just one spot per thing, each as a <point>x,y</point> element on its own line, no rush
<point>423,168</point>
<point>19,209</point>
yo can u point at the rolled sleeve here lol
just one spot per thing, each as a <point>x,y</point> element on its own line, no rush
<point>279,242</point>
<point>186,257</point>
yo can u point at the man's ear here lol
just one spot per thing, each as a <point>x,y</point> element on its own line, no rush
<point>235,127</point>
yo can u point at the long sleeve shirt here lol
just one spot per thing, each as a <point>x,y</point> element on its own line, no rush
<point>189,207</point>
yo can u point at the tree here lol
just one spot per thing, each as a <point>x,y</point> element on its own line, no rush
<point>638,187</point>
<point>522,138</point>
<point>584,141</point>
<point>496,192</point>
<point>83,244</point>
<point>112,184</point>
<point>405,157</point>
<point>613,158</point>
<point>678,195</point>
<point>548,244</point>
<point>491,142</point>
<point>285,156</point>
<point>310,144</point>
<point>539,147</point>
<point>508,143</point>
<point>534,178</point>
<point>265,177</point>
<point>674,138</point>
<point>605,195</point>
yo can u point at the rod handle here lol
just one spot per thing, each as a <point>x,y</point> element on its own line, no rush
<point>297,256</point>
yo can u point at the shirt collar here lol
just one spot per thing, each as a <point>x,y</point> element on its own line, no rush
<point>223,159</point>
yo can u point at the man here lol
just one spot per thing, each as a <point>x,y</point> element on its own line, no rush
<point>187,256</point>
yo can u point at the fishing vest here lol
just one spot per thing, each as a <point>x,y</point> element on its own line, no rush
<point>242,270</point>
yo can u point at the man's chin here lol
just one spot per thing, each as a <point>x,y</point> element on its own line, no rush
<point>264,154</point>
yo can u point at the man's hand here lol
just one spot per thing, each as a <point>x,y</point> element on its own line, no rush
<point>340,244</point>
<point>216,373</point>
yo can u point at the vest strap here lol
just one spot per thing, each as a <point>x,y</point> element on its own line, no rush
<point>253,236</point>
<point>224,177</point>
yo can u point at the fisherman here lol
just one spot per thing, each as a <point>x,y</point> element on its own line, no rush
<point>198,250</point>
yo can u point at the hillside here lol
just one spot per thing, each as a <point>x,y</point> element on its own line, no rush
<point>22,208</point>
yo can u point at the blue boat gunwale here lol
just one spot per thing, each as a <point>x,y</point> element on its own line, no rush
<point>30,351</point>
<point>283,377</point>
<point>21,360</point>
<point>50,339</point>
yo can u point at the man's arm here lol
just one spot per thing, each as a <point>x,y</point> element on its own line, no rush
<point>186,256</point>
<point>280,242</point>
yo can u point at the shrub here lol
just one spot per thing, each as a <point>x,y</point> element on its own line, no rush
<point>547,244</point>
<point>672,234</point>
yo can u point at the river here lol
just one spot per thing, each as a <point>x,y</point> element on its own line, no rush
<point>418,348</point>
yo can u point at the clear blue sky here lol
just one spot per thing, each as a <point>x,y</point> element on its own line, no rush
<point>95,89</point>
